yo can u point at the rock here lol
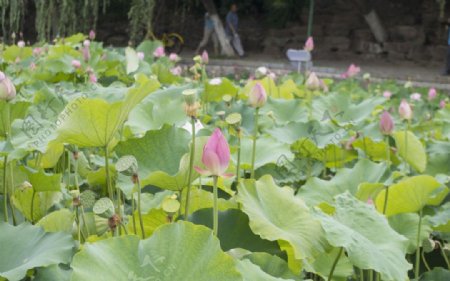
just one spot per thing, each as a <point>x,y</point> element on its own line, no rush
<point>361,46</point>
<point>406,33</point>
<point>438,53</point>
<point>363,34</point>
<point>336,43</point>
<point>419,53</point>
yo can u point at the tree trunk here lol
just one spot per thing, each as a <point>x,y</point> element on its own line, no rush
<point>218,26</point>
<point>372,19</point>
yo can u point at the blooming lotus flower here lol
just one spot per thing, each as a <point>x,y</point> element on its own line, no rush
<point>215,81</point>
<point>405,110</point>
<point>205,57</point>
<point>141,55</point>
<point>174,57</point>
<point>86,54</point>
<point>313,82</point>
<point>386,123</point>
<point>87,43</point>
<point>176,71</point>
<point>159,52</point>
<point>257,96</point>
<point>309,44</point>
<point>21,44</point>
<point>92,78</point>
<point>76,63</point>
<point>7,89</point>
<point>416,97</point>
<point>387,94</point>
<point>92,34</point>
<point>216,155</point>
<point>352,71</point>
<point>442,104</point>
<point>432,93</point>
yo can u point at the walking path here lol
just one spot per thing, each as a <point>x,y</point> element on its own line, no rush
<point>419,75</point>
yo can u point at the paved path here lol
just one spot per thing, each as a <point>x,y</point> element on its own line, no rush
<point>420,75</point>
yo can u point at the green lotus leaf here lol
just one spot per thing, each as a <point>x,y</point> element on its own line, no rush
<point>95,122</point>
<point>53,272</point>
<point>437,274</point>
<point>411,150</point>
<point>216,88</point>
<point>407,225</point>
<point>411,195</point>
<point>369,241</point>
<point>272,265</point>
<point>267,205</point>
<point>179,251</point>
<point>323,263</point>
<point>9,112</point>
<point>132,60</point>
<point>43,201</point>
<point>317,191</point>
<point>251,271</point>
<point>441,219</point>
<point>43,182</point>
<point>154,219</point>
<point>286,111</point>
<point>29,247</point>
<point>58,221</point>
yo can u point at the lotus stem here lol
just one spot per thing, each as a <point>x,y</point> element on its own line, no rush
<point>386,196</point>
<point>443,254</point>
<point>406,147</point>
<point>361,275</point>
<point>215,207</point>
<point>255,134</point>
<point>141,221</point>
<point>370,275</point>
<point>191,168</point>
<point>425,261</point>
<point>85,221</point>
<point>108,179</point>
<point>5,190</point>
<point>13,213</point>
<point>333,267</point>
<point>133,209</point>
<point>238,164</point>
<point>32,206</point>
<point>68,169</point>
<point>419,228</point>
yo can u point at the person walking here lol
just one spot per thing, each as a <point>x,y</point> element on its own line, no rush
<point>447,68</point>
<point>232,21</point>
<point>208,32</point>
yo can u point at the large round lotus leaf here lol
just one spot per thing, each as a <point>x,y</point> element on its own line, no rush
<point>95,122</point>
<point>437,274</point>
<point>411,150</point>
<point>267,206</point>
<point>26,247</point>
<point>367,238</point>
<point>251,272</point>
<point>58,221</point>
<point>272,265</point>
<point>179,251</point>
<point>234,231</point>
<point>441,219</point>
<point>317,191</point>
<point>411,195</point>
<point>407,224</point>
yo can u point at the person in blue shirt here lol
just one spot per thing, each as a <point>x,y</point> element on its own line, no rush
<point>231,29</point>
<point>447,69</point>
<point>208,32</point>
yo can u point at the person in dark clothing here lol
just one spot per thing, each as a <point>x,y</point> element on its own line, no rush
<point>231,29</point>
<point>447,67</point>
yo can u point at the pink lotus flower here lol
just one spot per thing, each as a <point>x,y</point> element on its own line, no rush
<point>37,51</point>
<point>141,55</point>
<point>404,110</point>
<point>159,52</point>
<point>205,57</point>
<point>21,44</point>
<point>257,96</point>
<point>86,54</point>
<point>216,155</point>
<point>309,44</point>
<point>352,71</point>
<point>76,64</point>
<point>176,71</point>
<point>7,89</point>
<point>313,82</point>
<point>442,104</point>
<point>432,94</point>
<point>92,78</point>
<point>87,43</point>
<point>387,94</point>
<point>272,75</point>
<point>416,97</point>
<point>32,66</point>
<point>92,34</point>
<point>386,123</point>
<point>174,57</point>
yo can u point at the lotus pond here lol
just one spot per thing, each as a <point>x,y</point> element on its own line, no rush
<point>123,164</point>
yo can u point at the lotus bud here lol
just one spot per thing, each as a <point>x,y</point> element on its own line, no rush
<point>190,102</point>
<point>442,104</point>
<point>176,71</point>
<point>37,51</point>
<point>7,89</point>
<point>309,44</point>
<point>174,57</point>
<point>86,54</point>
<point>405,110</point>
<point>313,82</point>
<point>140,55</point>
<point>92,78</point>
<point>76,64</point>
<point>205,57</point>
<point>432,94</point>
<point>387,94</point>
<point>386,123</point>
<point>159,52</point>
<point>87,43</point>
<point>21,44</point>
<point>257,97</point>
<point>216,155</point>
<point>261,72</point>
<point>92,35</point>
<point>352,71</point>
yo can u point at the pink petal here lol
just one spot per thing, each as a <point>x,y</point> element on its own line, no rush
<point>212,162</point>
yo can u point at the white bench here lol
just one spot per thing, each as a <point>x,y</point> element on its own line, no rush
<point>301,60</point>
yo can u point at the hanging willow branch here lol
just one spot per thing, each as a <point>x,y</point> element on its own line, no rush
<point>12,13</point>
<point>141,17</point>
